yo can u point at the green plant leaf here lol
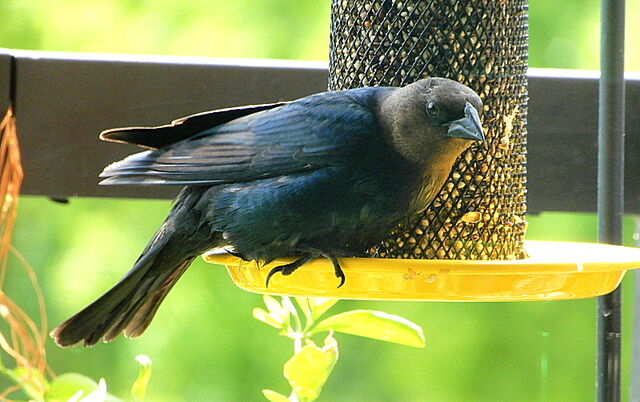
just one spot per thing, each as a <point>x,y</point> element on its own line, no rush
<point>320,305</point>
<point>273,306</point>
<point>273,396</point>
<point>261,315</point>
<point>303,303</point>
<point>32,381</point>
<point>375,325</point>
<point>67,385</point>
<point>277,311</point>
<point>98,395</point>
<point>308,370</point>
<point>139,387</point>
<point>74,387</point>
<point>288,305</point>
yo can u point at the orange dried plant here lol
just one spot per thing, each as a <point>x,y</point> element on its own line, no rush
<point>23,340</point>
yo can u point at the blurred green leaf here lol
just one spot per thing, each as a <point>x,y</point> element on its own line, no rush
<point>74,387</point>
<point>375,325</point>
<point>31,381</point>
<point>277,311</point>
<point>273,305</point>
<point>261,315</point>
<point>98,395</point>
<point>67,385</point>
<point>308,370</point>
<point>303,303</point>
<point>144,374</point>
<point>288,305</point>
<point>273,396</point>
<point>320,305</point>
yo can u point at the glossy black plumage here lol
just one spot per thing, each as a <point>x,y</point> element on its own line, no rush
<point>326,175</point>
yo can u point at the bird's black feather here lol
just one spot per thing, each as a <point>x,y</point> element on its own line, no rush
<point>180,129</point>
<point>300,136</point>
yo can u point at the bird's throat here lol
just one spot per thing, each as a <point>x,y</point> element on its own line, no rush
<point>431,182</point>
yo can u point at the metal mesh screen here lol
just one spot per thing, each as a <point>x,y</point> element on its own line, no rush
<point>479,213</point>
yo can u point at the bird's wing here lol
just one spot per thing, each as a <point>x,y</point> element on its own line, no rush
<point>308,134</point>
<point>180,129</point>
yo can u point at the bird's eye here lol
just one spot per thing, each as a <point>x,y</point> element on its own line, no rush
<point>432,108</point>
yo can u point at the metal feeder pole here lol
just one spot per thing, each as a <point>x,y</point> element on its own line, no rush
<point>635,380</point>
<point>610,188</point>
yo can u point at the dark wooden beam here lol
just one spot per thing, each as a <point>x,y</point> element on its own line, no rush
<point>62,104</point>
<point>563,143</point>
<point>5,82</point>
<point>63,101</point>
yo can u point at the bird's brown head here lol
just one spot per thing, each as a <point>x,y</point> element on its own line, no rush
<point>432,118</point>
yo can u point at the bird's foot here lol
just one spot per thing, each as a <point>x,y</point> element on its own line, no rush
<point>288,269</point>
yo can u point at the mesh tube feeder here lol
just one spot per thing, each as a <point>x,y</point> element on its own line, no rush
<point>479,214</point>
<point>469,243</point>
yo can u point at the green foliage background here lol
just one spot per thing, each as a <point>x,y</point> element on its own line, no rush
<point>204,343</point>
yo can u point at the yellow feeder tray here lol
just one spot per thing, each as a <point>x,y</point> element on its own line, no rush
<point>554,271</point>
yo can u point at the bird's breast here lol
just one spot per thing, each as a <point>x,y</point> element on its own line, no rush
<point>430,184</point>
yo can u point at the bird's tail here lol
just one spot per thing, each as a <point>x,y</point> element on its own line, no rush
<point>131,304</point>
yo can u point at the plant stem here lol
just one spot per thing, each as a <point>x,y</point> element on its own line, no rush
<point>293,397</point>
<point>297,344</point>
<point>29,390</point>
<point>297,347</point>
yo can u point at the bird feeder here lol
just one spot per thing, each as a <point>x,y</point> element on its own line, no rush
<point>469,244</point>
<point>554,271</point>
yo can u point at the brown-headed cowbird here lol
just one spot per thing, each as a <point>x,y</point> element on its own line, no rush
<point>323,176</point>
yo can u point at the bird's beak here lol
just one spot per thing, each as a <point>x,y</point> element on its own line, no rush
<point>468,127</point>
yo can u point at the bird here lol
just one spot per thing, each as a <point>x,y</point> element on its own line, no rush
<point>324,176</point>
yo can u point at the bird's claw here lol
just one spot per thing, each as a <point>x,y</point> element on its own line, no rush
<point>287,269</point>
<point>280,269</point>
<point>337,269</point>
<point>340,275</point>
